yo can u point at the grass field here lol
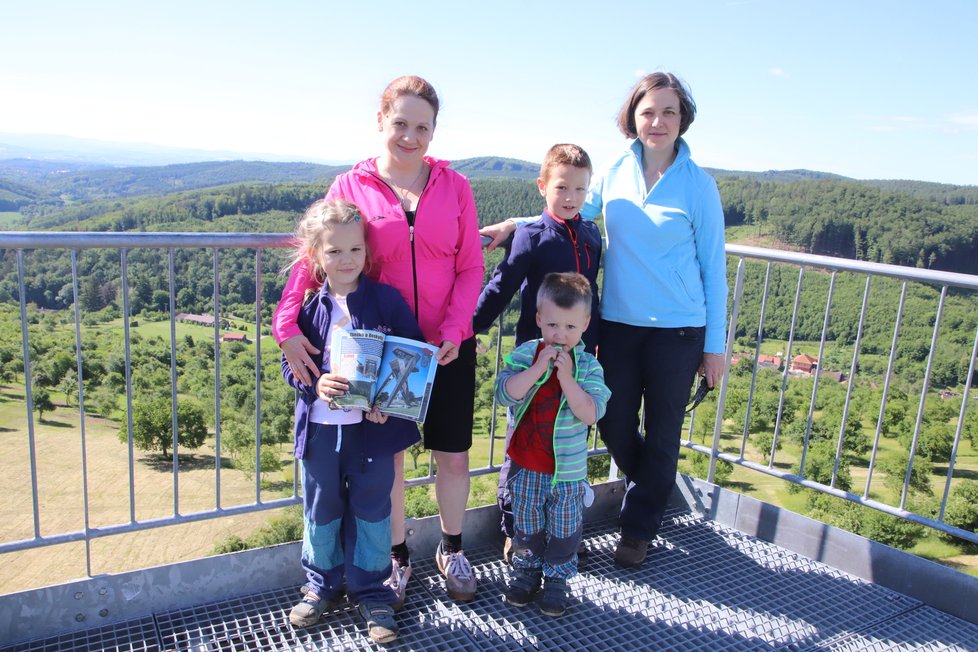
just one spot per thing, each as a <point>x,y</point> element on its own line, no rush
<point>61,505</point>
<point>10,220</point>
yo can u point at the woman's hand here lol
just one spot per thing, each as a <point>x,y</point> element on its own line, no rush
<point>297,351</point>
<point>712,368</point>
<point>447,353</point>
<point>498,232</point>
<point>329,386</point>
<point>375,415</point>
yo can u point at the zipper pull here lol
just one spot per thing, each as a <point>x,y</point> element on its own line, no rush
<point>411,231</point>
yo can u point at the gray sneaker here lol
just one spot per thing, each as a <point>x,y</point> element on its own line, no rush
<point>398,582</point>
<point>380,621</point>
<point>459,578</point>
<point>311,608</point>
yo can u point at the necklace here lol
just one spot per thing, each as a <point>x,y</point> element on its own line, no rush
<point>404,191</point>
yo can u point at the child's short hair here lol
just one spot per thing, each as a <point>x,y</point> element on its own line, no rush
<point>564,154</point>
<point>321,216</point>
<point>565,290</point>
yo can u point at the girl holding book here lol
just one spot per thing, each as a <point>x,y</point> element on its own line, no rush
<point>346,456</point>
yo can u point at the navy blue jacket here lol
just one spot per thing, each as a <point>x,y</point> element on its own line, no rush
<point>372,306</point>
<point>540,247</point>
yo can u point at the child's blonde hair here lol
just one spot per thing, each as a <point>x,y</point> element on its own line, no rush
<point>322,216</point>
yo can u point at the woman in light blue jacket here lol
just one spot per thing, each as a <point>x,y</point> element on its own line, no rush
<point>664,297</point>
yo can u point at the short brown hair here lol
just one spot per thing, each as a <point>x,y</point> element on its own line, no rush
<point>565,290</point>
<point>409,85</point>
<point>565,154</point>
<point>655,81</point>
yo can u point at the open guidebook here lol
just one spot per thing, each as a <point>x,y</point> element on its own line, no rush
<point>395,374</point>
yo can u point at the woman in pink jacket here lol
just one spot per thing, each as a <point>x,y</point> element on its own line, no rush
<point>423,239</point>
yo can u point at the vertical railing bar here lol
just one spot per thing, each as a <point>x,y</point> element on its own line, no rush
<point>886,387</point>
<point>174,421</point>
<point>852,379</point>
<point>217,380</point>
<point>957,432</point>
<point>28,391</point>
<point>923,396</point>
<point>81,409</point>
<point>757,357</point>
<point>295,462</point>
<point>787,365</point>
<point>728,353</point>
<point>128,359</point>
<point>492,413</point>
<point>821,356</point>
<point>258,375</point>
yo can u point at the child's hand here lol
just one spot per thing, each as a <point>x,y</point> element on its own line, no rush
<point>329,386</point>
<point>564,365</point>
<point>376,416</point>
<point>544,361</point>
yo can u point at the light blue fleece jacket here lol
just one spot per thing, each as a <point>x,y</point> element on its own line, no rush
<point>664,257</point>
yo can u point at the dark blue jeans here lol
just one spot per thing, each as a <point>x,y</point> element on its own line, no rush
<point>347,514</point>
<point>659,366</point>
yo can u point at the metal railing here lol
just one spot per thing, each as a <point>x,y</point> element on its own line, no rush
<point>749,261</point>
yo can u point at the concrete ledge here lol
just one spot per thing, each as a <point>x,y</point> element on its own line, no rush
<point>111,599</point>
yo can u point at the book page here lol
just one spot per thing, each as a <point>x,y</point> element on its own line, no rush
<point>356,356</point>
<point>407,372</point>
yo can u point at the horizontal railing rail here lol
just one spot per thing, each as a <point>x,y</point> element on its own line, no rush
<point>734,436</point>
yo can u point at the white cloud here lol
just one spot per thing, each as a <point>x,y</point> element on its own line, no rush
<point>968,120</point>
<point>778,72</point>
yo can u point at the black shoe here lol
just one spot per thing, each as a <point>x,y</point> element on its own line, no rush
<point>631,551</point>
<point>554,600</point>
<point>522,585</point>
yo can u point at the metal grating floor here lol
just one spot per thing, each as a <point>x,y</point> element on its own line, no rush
<point>703,587</point>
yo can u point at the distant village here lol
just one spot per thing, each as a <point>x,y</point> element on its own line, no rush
<point>208,320</point>
<point>801,365</point>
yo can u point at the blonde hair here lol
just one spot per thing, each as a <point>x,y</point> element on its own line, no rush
<point>322,216</point>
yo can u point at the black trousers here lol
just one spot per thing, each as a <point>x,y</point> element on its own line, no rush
<point>659,366</point>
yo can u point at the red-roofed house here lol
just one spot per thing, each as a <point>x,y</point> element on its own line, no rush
<point>769,361</point>
<point>804,363</point>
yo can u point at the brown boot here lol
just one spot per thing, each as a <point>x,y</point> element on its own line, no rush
<point>631,551</point>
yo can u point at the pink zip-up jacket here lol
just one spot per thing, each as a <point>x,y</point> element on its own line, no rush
<point>437,266</point>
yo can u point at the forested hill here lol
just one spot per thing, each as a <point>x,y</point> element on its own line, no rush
<point>902,222</point>
<point>27,181</point>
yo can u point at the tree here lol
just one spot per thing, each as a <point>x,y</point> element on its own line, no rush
<point>69,386</point>
<point>962,508</point>
<point>896,472</point>
<point>152,425</point>
<point>42,401</point>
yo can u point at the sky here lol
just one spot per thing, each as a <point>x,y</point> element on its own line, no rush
<point>869,89</point>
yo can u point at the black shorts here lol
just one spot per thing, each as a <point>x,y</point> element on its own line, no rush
<point>448,424</point>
